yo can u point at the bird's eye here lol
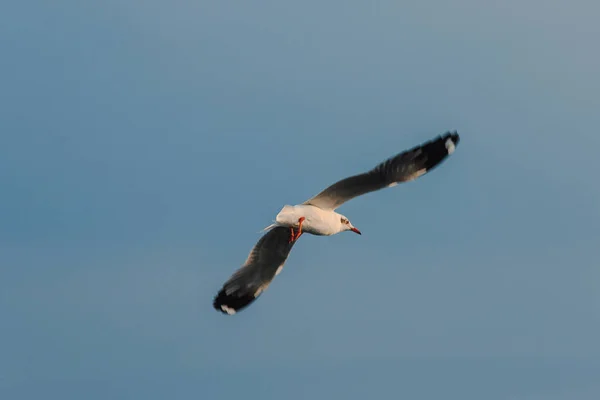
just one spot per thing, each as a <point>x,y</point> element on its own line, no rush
<point>344,221</point>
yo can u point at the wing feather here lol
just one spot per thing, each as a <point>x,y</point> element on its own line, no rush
<point>403,167</point>
<point>265,261</point>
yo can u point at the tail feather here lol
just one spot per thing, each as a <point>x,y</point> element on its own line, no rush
<point>268,228</point>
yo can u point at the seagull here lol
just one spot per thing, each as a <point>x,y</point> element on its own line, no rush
<point>317,216</point>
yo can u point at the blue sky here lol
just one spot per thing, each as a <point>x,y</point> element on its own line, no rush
<point>146,143</point>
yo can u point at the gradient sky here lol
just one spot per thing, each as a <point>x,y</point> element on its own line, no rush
<point>146,143</point>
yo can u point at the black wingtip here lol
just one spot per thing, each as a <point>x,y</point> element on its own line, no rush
<point>431,154</point>
<point>231,304</point>
<point>452,135</point>
<point>455,137</point>
<point>450,140</point>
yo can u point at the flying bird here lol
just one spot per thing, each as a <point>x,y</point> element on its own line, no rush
<point>317,216</point>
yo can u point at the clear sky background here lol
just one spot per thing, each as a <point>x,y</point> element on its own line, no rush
<point>144,144</point>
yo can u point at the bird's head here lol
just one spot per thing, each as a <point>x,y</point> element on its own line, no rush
<point>347,225</point>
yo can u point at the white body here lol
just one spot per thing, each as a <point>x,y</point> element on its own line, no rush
<point>317,221</point>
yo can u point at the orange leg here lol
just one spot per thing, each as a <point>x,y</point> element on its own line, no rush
<point>300,222</point>
<point>294,236</point>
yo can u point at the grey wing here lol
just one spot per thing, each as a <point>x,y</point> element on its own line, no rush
<point>264,262</point>
<point>403,167</point>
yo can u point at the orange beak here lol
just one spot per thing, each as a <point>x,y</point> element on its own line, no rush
<point>355,231</point>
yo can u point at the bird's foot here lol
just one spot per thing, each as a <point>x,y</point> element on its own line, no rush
<point>295,235</point>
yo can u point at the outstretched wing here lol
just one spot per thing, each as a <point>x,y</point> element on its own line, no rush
<point>403,167</point>
<point>264,262</point>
